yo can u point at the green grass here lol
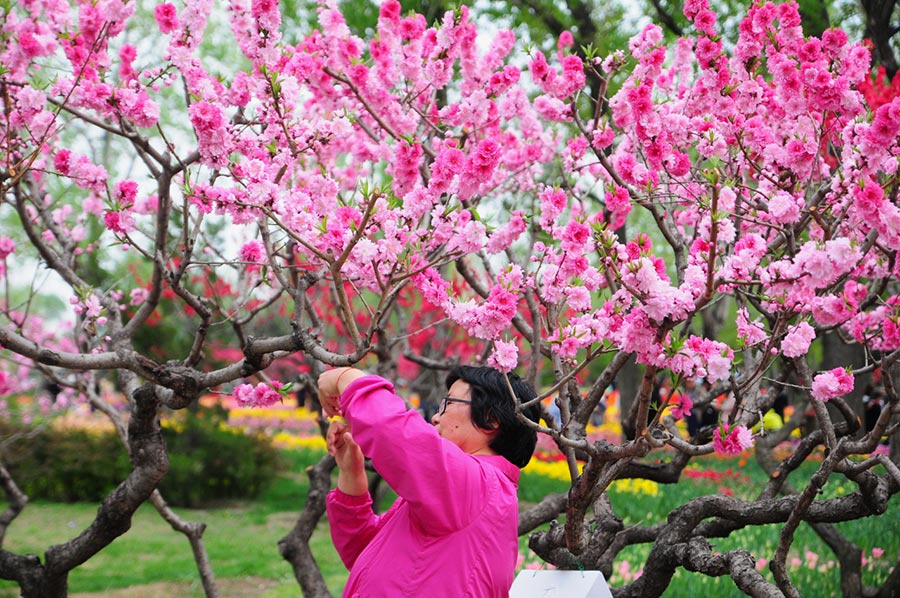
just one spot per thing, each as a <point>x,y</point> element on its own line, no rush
<point>242,538</point>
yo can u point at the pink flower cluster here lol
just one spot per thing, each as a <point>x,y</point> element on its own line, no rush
<point>213,136</point>
<point>730,439</point>
<point>423,145</point>
<point>7,247</point>
<point>261,395</point>
<point>833,383</point>
<point>682,408</point>
<point>796,342</point>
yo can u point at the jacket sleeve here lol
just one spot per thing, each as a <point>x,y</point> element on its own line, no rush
<point>444,486</point>
<point>352,524</point>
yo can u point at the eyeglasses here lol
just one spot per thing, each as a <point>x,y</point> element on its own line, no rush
<point>447,400</point>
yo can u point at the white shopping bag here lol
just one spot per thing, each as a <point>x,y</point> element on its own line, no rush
<point>554,583</point>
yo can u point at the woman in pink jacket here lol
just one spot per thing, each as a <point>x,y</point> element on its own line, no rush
<point>453,530</point>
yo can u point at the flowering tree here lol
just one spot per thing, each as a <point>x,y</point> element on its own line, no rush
<point>355,187</point>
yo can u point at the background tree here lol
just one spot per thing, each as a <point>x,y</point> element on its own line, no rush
<point>346,200</point>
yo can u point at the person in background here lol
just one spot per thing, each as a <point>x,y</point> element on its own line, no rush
<point>873,403</point>
<point>453,529</point>
<point>773,419</point>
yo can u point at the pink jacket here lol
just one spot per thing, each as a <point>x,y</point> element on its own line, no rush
<point>451,532</point>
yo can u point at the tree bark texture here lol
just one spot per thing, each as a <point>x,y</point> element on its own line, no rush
<point>295,546</point>
<point>150,461</point>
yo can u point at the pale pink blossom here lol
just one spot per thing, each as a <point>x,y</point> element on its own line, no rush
<point>262,395</point>
<point>504,357</point>
<point>139,296</point>
<point>752,333</point>
<point>796,342</point>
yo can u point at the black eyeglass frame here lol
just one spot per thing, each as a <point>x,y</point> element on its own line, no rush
<point>442,406</point>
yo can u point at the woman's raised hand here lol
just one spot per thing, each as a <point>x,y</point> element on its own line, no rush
<point>350,460</point>
<point>331,384</point>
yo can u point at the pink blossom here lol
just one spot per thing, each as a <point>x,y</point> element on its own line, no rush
<point>891,327</point>
<point>575,237</point>
<point>603,138</point>
<point>7,247</point>
<point>752,333</point>
<point>578,298</point>
<point>252,253</point>
<point>619,200</point>
<point>266,14</point>
<point>732,440</point>
<point>833,383</point>
<point>61,161</point>
<point>262,395</point>
<point>693,7</point>
<point>406,167</point>
<point>553,202</point>
<point>119,221</point>
<point>507,235</point>
<point>796,342</point>
<point>505,356</point>
<point>552,108</point>
<point>705,21</point>
<point>125,192</point>
<point>210,125</point>
<point>784,208</point>
<point>166,17</point>
<point>714,358</point>
<point>540,70</point>
<point>483,160</point>
<point>869,198</point>
<point>433,288</point>
<point>91,306</point>
<point>390,11</point>
<point>683,407</point>
<point>413,26</point>
<point>138,296</point>
<point>572,78</point>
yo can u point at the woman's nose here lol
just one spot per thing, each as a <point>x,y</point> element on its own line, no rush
<point>435,419</point>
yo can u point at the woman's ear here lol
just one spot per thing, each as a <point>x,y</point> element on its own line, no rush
<point>492,422</point>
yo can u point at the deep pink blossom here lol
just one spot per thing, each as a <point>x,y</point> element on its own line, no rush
<point>566,40</point>
<point>732,440</point>
<point>7,247</point>
<point>252,252</point>
<point>576,236</point>
<point>682,408</point>
<point>119,221</point>
<point>166,17</point>
<point>833,383</point>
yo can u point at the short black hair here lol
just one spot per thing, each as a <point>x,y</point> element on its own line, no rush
<point>492,408</point>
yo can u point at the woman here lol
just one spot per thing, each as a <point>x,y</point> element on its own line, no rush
<point>453,530</point>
